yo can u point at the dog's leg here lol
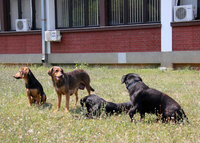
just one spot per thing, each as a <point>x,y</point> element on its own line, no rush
<point>38,100</point>
<point>44,98</point>
<point>88,89</point>
<point>76,96</point>
<point>59,101</point>
<point>29,97</point>
<point>32,100</point>
<point>142,116</point>
<point>67,102</point>
<point>132,112</point>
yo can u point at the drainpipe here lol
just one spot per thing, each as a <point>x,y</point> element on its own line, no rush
<point>43,18</point>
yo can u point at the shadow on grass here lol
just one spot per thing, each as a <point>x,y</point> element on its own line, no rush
<point>76,110</point>
<point>78,113</point>
<point>46,106</point>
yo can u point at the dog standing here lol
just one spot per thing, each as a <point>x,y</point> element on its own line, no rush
<point>96,104</point>
<point>68,83</point>
<point>148,100</point>
<point>34,89</point>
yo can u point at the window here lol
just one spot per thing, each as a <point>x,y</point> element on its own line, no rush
<point>116,12</point>
<point>187,2</point>
<point>62,13</point>
<point>153,10</point>
<point>37,15</point>
<point>77,13</point>
<point>93,12</point>
<point>24,9</point>
<point>133,11</point>
<point>13,13</point>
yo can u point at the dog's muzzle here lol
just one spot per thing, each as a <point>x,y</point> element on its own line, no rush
<point>59,77</point>
<point>16,77</point>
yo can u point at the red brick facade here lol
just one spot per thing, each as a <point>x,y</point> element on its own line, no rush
<point>186,38</point>
<point>18,44</point>
<point>136,40</point>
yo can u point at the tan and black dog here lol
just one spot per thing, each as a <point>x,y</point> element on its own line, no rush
<point>34,89</point>
<point>68,83</point>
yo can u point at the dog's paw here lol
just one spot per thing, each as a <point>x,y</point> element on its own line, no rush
<point>66,111</point>
<point>56,110</point>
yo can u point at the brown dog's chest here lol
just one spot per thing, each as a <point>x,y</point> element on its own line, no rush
<point>33,92</point>
<point>63,90</point>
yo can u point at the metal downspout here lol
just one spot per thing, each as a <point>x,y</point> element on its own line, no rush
<point>43,19</point>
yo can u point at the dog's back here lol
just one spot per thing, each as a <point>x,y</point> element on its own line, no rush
<point>79,78</point>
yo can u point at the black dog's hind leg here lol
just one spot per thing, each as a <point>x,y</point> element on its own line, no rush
<point>132,112</point>
<point>142,115</point>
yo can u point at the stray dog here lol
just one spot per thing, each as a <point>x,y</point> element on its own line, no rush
<point>96,104</point>
<point>34,89</point>
<point>148,100</point>
<point>69,83</point>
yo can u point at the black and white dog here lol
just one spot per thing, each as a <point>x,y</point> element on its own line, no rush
<point>149,100</point>
<point>95,105</point>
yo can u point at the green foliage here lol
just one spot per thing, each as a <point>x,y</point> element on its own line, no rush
<point>21,123</point>
<point>81,65</point>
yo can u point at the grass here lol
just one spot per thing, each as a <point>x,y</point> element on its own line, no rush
<point>21,123</point>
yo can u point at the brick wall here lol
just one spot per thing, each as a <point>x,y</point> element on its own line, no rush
<point>17,44</point>
<point>136,40</point>
<point>186,38</point>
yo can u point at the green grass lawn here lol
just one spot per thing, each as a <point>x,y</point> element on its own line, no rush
<point>21,123</point>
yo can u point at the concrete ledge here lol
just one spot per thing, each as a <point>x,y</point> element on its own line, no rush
<point>20,58</point>
<point>90,58</point>
<point>166,59</point>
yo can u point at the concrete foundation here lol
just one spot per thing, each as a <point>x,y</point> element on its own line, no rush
<point>164,59</point>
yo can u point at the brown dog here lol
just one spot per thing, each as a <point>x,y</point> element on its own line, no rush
<point>34,89</point>
<point>69,83</point>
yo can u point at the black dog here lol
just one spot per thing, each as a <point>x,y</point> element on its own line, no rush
<point>148,100</point>
<point>96,104</point>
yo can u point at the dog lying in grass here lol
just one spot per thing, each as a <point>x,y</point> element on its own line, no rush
<point>34,89</point>
<point>95,105</point>
<point>68,83</point>
<point>149,100</point>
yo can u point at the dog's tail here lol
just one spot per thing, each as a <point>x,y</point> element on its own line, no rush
<point>43,98</point>
<point>92,89</point>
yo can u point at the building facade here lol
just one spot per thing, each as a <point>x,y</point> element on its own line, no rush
<point>100,32</point>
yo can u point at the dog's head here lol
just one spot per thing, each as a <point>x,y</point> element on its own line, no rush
<point>22,73</point>
<point>130,79</point>
<point>56,73</point>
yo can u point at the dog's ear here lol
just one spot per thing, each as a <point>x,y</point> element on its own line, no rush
<point>50,71</point>
<point>25,71</point>
<point>62,70</point>
<point>123,79</point>
<point>137,77</point>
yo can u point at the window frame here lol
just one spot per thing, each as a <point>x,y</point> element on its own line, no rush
<point>86,24</point>
<point>198,9</point>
